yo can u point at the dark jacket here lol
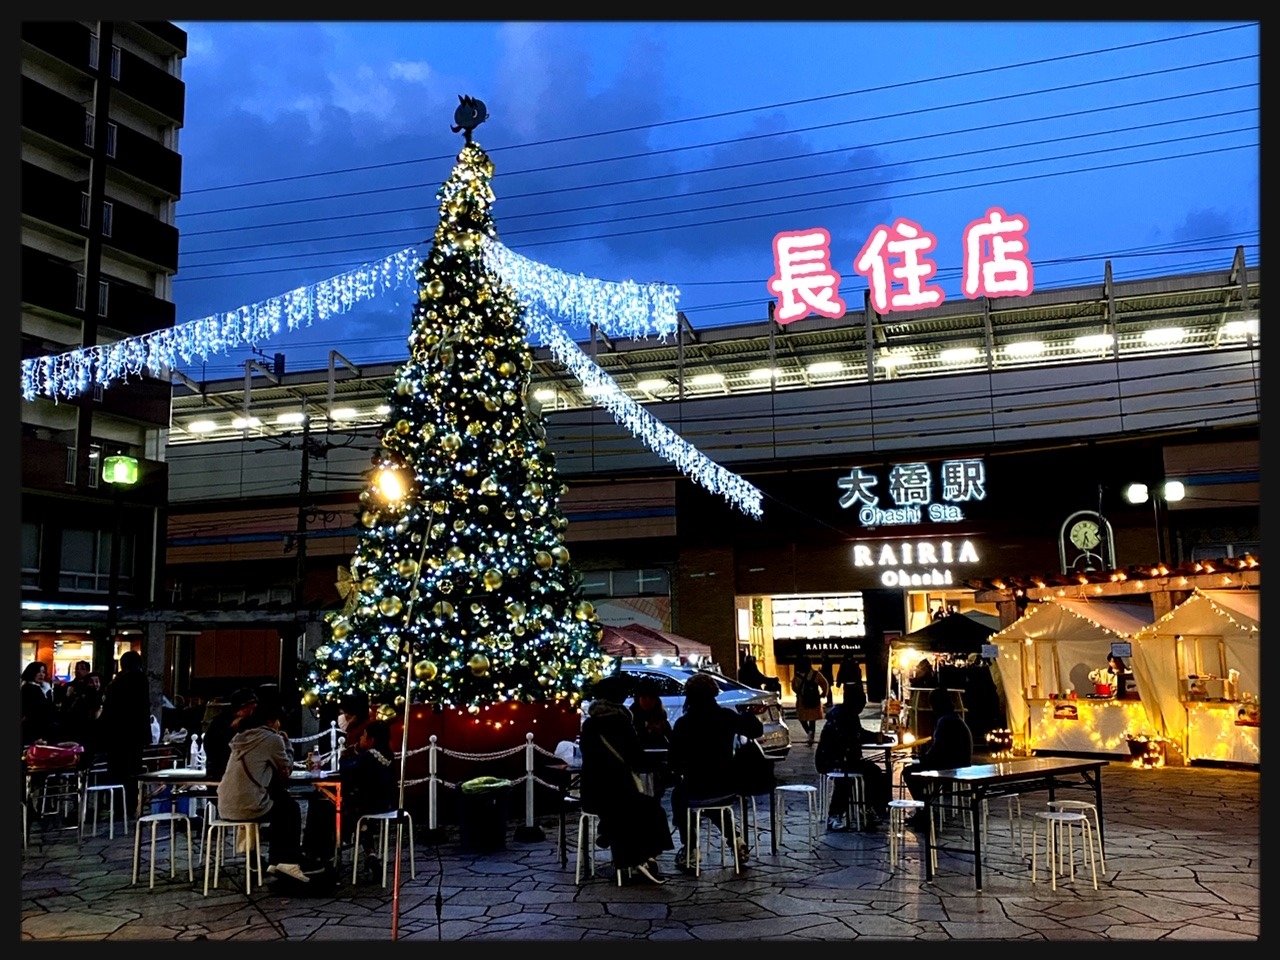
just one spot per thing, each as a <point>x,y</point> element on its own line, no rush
<point>39,715</point>
<point>125,725</point>
<point>217,743</point>
<point>839,746</point>
<point>606,775</point>
<point>702,745</point>
<point>951,746</point>
<point>368,783</point>
<point>80,714</point>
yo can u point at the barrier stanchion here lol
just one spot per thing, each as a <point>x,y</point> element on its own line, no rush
<point>433,785</point>
<point>528,832</point>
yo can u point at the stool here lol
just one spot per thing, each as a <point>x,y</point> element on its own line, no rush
<point>857,795</point>
<point>723,806</point>
<point>95,793</point>
<point>213,849</point>
<point>1088,809</point>
<point>899,810</point>
<point>751,822</point>
<point>385,820</point>
<point>810,793</point>
<point>588,827</point>
<point>1058,825</point>
<point>155,819</point>
<point>1013,811</point>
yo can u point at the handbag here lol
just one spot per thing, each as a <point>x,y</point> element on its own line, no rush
<point>635,777</point>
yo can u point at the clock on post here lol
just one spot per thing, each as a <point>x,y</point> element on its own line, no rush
<point>1085,543</point>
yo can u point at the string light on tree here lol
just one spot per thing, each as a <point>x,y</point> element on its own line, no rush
<point>461,516</point>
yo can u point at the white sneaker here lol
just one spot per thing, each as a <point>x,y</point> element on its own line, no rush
<point>289,870</point>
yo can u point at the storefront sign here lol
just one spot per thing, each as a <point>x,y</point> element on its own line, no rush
<point>911,488</point>
<point>895,262</point>
<point>919,563</point>
<point>1121,648</point>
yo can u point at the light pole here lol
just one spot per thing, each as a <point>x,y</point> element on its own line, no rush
<point>1170,492</point>
<point>121,472</point>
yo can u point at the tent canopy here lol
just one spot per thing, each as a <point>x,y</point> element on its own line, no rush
<point>954,633</point>
<point>1077,620</point>
<point>637,640</point>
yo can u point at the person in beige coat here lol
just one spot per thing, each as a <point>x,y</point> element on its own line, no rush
<point>811,689</point>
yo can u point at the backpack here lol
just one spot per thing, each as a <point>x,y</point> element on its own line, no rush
<point>809,694</point>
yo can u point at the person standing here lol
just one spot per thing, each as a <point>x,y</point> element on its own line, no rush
<point>81,708</point>
<point>125,725</point>
<point>39,715</point>
<point>702,748</point>
<point>811,690</point>
<point>633,824</point>
<point>848,674</point>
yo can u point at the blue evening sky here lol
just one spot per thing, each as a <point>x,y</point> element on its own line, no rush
<point>676,151</point>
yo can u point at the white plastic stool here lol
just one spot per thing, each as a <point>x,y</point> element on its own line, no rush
<point>588,827</point>
<point>1059,838</point>
<point>214,839</point>
<point>724,807</point>
<point>94,794</point>
<point>857,795</point>
<point>1088,809</point>
<point>899,810</point>
<point>810,793</point>
<point>385,820</point>
<point>154,820</point>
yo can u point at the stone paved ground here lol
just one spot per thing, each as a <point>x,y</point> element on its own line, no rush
<point>1182,864</point>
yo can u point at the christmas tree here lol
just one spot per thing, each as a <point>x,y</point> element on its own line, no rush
<point>461,561</point>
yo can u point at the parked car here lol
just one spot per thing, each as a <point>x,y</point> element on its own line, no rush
<point>671,677</point>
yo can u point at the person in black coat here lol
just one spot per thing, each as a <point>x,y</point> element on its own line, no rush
<point>125,725</point>
<point>702,748</point>
<point>224,726</point>
<point>633,824</point>
<point>950,747</point>
<point>39,715</point>
<point>81,707</point>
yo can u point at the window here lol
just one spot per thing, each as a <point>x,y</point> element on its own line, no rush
<point>111,138</point>
<point>88,130</point>
<point>86,561</point>
<point>95,464</point>
<point>104,293</point>
<point>30,554</point>
<point>626,583</point>
<point>115,62</point>
<point>93,56</point>
<point>107,209</point>
<point>84,210</point>
<point>71,465</point>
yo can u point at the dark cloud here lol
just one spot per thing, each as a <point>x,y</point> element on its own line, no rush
<point>1198,224</point>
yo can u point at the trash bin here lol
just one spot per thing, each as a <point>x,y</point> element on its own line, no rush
<point>482,823</point>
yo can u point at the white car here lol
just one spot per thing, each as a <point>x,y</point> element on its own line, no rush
<point>670,679</point>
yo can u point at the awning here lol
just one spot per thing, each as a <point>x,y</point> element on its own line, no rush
<point>635,640</point>
<point>954,633</point>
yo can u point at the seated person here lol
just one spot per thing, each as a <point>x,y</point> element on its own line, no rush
<point>653,730</point>
<point>702,750</point>
<point>369,776</point>
<point>950,747</point>
<point>633,824</point>
<point>255,786</point>
<point>840,748</point>
<point>224,726</point>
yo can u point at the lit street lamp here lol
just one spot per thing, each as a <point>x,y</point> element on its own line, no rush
<point>1170,492</point>
<point>122,473</point>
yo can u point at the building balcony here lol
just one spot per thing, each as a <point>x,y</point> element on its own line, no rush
<point>152,88</point>
<point>64,41</point>
<point>55,117</point>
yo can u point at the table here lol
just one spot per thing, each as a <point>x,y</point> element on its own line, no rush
<point>889,749</point>
<point>327,784</point>
<point>1023,775</point>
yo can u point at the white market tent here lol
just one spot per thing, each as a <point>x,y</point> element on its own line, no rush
<point>1210,625</point>
<point>1052,647</point>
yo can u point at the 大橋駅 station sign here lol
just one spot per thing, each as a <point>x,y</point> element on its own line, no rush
<point>913,497</point>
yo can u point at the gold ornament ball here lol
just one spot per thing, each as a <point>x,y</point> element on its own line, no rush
<point>403,387</point>
<point>483,508</point>
<point>491,405</point>
<point>560,554</point>
<point>459,525</point>
<point>435,289</point>
<point>311,698</point>
<point>369,518</point>
<point>425,670</point>
<point>407,567</point>
<point>403,427</point>
<point>386,711</point>
<point>489,487</point>
<point>543,560</point>
<point>437,531</point>
<point>454,553</point>
<point>340,629</point>
<point>516,609</point>
<point>333,676</point>
<point>492,579</point>
<point>584,610</point>
<point>443,609</point>
<point>451,443</point>
<point>369,584</point>
<point>478,664</point>
<point>390,606</point>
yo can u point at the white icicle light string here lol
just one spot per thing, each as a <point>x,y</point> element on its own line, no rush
<point>619,308</point>
<point>647,428</point>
